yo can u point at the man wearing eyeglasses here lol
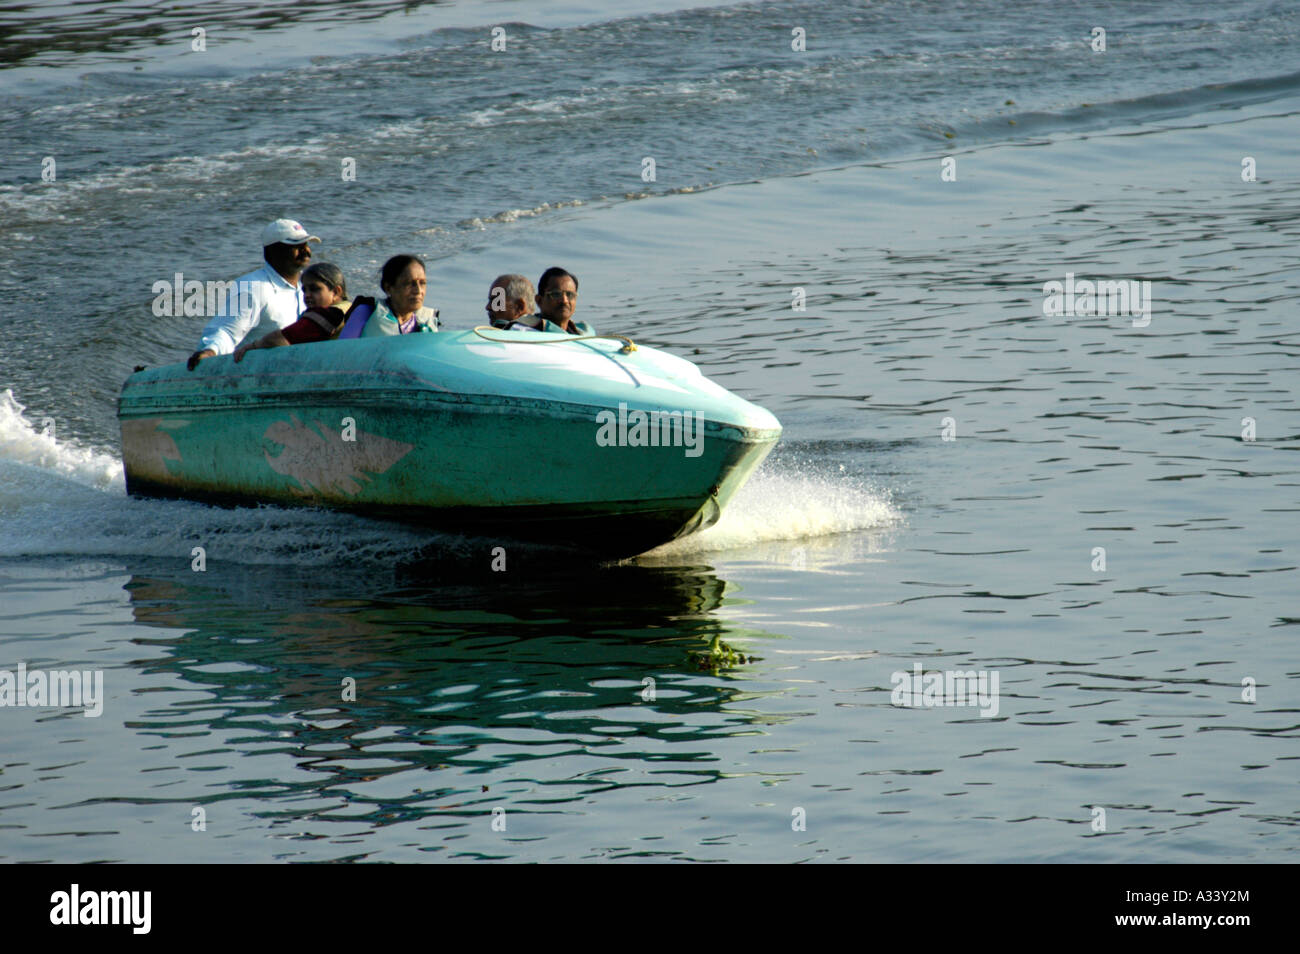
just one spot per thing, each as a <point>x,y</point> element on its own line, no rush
<point>557,298</point>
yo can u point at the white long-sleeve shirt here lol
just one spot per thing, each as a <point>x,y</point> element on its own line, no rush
<point>261,301</point>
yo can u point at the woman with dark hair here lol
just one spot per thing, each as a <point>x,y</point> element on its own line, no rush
<point>323,286</point>
<point>402,312</point>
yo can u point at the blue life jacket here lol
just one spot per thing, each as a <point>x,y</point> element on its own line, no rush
<point>360,312</point>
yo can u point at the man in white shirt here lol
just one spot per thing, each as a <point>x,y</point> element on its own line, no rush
<point>266,299</point>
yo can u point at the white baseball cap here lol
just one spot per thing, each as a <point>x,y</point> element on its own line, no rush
<point>287,231</point>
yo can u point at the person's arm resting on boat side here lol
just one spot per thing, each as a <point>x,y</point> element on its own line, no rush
<point>226,330</point>
<point>275,339</point>
<point>314,324</point>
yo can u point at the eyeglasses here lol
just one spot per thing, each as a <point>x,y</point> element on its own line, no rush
<point>569,295</point>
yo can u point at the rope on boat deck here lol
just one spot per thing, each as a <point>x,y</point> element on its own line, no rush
<point>628,344</point>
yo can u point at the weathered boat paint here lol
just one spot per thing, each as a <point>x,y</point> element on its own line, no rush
<point>452,430</point>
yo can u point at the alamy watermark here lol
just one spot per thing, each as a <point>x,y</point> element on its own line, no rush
<point>637,428</point>
<point>75,906</point>
<point>919,689</point>
<point>1085,299</point>
<point>195,299</point>
<point>60,688</point>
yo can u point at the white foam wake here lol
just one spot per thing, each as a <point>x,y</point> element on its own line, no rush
<point>791,505</point>
<point>73,520</point>
<point>23,442</point>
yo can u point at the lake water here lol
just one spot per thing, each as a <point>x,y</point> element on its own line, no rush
<point>1099,511</point>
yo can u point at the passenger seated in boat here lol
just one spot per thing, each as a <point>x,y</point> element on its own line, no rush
<point>324,291</point>
<point>323,286</point>
<point>510,303</point>
<point>268,297</point>
<point>402,312</point>
<point>557,298</point>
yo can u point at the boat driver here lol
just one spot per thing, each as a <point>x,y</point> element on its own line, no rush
<point>264,300</point>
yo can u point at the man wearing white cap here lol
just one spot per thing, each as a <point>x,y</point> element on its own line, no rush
<point>267,299</point>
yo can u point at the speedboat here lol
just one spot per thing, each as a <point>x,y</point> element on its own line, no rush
<point>592,442</point>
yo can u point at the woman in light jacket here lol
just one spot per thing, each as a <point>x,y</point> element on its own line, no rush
<point>402,312</point>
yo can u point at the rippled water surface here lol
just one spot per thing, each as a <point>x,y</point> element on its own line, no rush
<point>1074,504</point>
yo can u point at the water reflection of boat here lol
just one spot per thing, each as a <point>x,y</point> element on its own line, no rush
<point>463,659</point>
<point>579,441</point>
<point>548,687</point>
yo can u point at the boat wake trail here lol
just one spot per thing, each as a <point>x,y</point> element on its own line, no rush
<point>45,514</point>
<point>792,502</point>
<point>23,442</point>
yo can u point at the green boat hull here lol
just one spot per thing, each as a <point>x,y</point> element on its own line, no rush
<point>501,437</point>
